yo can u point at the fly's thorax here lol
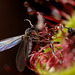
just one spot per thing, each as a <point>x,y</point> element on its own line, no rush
<point>28,31</point>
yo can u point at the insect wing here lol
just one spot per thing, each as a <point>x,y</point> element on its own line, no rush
<point>9,42</point>
<point>23,52</point>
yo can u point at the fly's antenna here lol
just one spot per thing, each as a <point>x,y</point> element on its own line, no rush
<point>29,22</point>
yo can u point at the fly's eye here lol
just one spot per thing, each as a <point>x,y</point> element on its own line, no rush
<point>70,30</point>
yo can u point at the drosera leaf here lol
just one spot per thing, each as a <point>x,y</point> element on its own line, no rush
<point>47,50</point>
<point>71,22</point>
<point>68,71</point>
<point>57,37</point>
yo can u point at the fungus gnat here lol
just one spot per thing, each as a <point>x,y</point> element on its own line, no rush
<point>26,42</point>
<point>25,47</point>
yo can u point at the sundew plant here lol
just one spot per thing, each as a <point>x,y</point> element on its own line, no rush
<point>54,52</point>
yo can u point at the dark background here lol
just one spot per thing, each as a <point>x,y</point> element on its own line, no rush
<point>12,14</point>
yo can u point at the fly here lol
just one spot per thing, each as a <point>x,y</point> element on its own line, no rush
<point>24,49</point>
<point>26,43</point>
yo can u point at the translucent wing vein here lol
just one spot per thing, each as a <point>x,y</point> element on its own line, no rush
<point>23,52</point>
<point>9,42</point>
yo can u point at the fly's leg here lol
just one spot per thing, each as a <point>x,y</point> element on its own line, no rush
<point>47,41</point>
<point>54,53</point>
